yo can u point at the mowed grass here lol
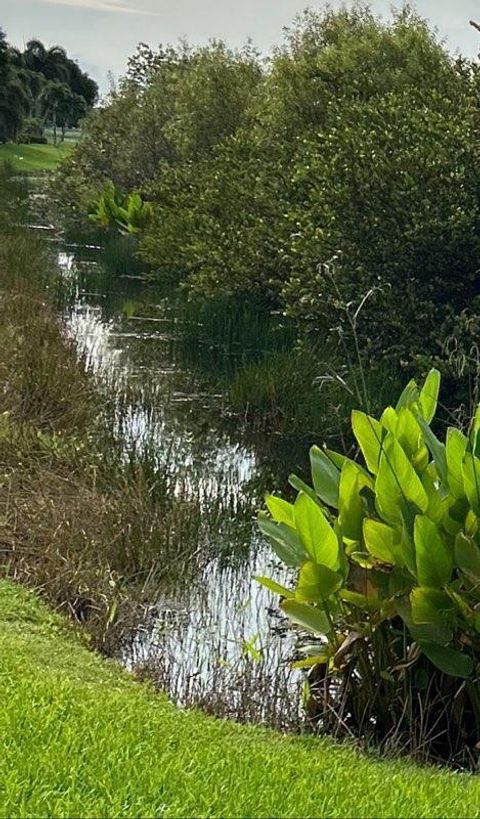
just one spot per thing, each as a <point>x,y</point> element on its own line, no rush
<point>82,738</point>
<point>35,157</point>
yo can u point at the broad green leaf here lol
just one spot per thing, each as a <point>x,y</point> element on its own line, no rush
<point>467,556</point>
<point>448,660</point>
<point>462,606</point>
<point>365,602</point>
<point>431,606</point>
<point>407,547</point>
<point>471,481</point>
<point>433,556</point>
<point>471,523</point>
<point>336,457</point>
<point>350,501</point>
<point>437,632</point>
<point>397,482</point>
<point>277,588</point>
<point>325,476</point>
<point>408,433</point>
<point>301,486</point>
<point>437,501</point>
<point>339,461</point>
<point>429,395</point>
<point>400,582</point>
<point>317,583</point>
<point>310,618</point>
<point>382,542</point>
<point>455,453</point>
<point>316,534</point>
<point>369,434</point>
<point>437,450</point>
<point>455,513</point>
<point>410,396</point>
<point>389,420</point>
<point>280,510</point>
<point>285,541</point>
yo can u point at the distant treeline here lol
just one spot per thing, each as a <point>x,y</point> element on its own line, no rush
<point>339,179</point>
<point>40,86</point>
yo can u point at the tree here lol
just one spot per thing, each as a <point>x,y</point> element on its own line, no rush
<point>27,83</point>
<point>56,99</point>
<point>212,96</point>
<point>15,98</point>
<point>177,104</point>
<point>52,62</point>
<point>70,111</point>
<point>359,138</point>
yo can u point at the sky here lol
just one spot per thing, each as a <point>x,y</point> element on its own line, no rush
<point>102,34</point>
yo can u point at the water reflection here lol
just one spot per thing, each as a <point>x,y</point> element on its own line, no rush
<point>216,639</point>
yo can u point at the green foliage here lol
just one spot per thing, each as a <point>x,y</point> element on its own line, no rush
<point>40,84</point>
<point>173,107</point>
<point>388,558</point>
<point>359,144</point>
<point>32,131</point>
<point>343,171</point>
<point>393,187</point>
<point>128,214</point>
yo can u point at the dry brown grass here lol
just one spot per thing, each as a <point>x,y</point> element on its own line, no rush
<point>93,532</point>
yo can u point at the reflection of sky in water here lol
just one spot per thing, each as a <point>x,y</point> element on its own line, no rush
<point>198,644</point>
<point>197,634</point>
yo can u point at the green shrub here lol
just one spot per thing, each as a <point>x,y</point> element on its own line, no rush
<point>32,131</point>
<point>388,560</point>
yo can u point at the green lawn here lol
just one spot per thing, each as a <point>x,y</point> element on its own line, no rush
<point>35,157</point>
<point>81,738</point>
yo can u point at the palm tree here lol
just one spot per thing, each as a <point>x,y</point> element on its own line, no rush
<point>15,96</point>
<point>71,111</point>
<point>54,96</point>
<point>52,62</point>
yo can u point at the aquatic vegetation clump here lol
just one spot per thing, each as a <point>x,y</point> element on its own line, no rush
<point>388,559</point>
<point>127,214</point>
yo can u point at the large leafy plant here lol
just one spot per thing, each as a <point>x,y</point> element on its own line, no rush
<point>128,214</point>
<point>387,553</point>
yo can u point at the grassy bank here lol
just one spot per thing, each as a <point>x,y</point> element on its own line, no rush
<point>91,527</point>
<point>83,739</point>
<point>35,157</point>
<point>77,519</point>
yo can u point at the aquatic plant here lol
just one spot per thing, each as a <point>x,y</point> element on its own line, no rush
<point>387,555</point>
<point>128,214</point>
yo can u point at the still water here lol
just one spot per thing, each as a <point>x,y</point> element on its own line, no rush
<point>215,637</point>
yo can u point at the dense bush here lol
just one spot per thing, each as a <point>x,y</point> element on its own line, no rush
<point>32,131</point>
<point>394,187</point>
<point>356,141</point>
<point>173,106</point>
<point>388,559</point>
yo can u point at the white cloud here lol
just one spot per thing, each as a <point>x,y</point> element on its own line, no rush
<point>100,5</point>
